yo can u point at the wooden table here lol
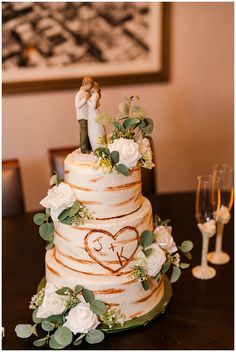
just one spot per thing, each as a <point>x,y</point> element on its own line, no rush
<point>200,315</point>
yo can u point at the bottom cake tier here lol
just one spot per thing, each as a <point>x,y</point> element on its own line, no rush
<point>122,292</point>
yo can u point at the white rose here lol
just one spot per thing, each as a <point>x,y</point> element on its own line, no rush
<point>164,238</point>
<point>208,228</point>
<point>81,319</point>
<point>155,260</point>
<point>224,215</point>
<point>128,150</point>
<point>53,303</point>
<point>58,198</point>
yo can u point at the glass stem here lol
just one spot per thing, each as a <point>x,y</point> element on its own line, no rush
<point>219,236</point>
<point>205,244</point>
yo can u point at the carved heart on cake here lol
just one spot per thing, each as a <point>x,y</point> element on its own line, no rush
<point>112,252</point>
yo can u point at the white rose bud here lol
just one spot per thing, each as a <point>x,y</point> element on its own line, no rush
<point>155,260</point>
<point>128,150</point>
<point>59,198</point>
<point>81,319</point>
<point>53,303</point>
<point>164,238</point>
<point>208,228</point>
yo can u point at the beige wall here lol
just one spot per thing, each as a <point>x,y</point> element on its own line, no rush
<point>193,112</point>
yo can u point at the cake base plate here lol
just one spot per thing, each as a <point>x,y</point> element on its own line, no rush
<point>143,320</point>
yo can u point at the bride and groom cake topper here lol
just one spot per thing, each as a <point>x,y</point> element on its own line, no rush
<point>87,102</point>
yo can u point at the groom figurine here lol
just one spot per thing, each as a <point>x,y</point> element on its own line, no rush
<point>81,107</point>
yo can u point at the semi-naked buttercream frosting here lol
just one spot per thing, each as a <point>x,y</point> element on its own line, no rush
<point>101,254</point>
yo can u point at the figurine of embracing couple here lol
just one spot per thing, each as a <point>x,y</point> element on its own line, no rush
<point>87,101</point>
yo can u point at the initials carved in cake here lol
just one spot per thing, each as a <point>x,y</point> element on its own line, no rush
<point>112,252</point>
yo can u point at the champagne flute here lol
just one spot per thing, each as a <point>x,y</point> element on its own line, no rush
<point>207,205</point>
<point>225,175</point>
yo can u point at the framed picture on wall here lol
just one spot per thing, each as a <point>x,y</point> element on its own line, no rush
<point>52,45</point>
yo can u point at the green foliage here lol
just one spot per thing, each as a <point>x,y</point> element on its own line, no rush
<point>63,336</point>
<point>186,246</point>
<point>184,265</point>
<point>138,112</point>
<point>72,215</point>
<point>124,108</point>
<point>98,307</point>
<point>104,119</point>
<point>75,208</point>
<point>64,291</point>
<point>54,344</point>
<point>40,342</point>
<point>79,340</point>
<point>118,126</point>
<point>147,252</point>
<point>25,330</point>
<point>166,266</point>
<point>148,126</point>
<point>88,295</point>
<point>34,318</point>
<point>78,289</point>
<point>94,336</point>
<point>176,272</point>
<point>159,222</point>
<point>39,218</point>
<point>64,214</point>
<point>146,239</point>
<point>122,169</point>
<point>46,231</point>
<point>56,319</point>
<point>115,157</point>
<point>47,325</point>
<point>50,244</point>
<point>145,284</point>
<point>131,122</point>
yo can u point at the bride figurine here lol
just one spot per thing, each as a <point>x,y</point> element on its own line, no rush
<point>95,130</point>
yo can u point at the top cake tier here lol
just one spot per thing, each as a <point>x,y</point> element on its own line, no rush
<point>106,195</point>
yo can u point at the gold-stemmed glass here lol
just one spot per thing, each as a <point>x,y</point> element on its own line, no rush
<point>207,205</point>
<point>225,175</point>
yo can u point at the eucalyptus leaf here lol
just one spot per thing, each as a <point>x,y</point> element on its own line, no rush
<point>40,342</point>
<point>175,274</point>
<point>186,246</point>
<point>64,214</point>
<point>184,265</point>
<point>54,344</point>
<point>34,318</point>
<point>166,267</point>
<point>122,169</point>
<point>131,122</point>
<point>47,211</point>
<point>39,218</point>
<point>75,208</point>
<point>79,340</point>
<point>63,336</point>
<point>188,255</point>
<point>165,222</point>
<point>47,325</point>
<point>138,111</point>
<point>78,288</point>
<point>98,307</point>
<point>50,244</point>
<point>145,284</point>
<point>53,180</point>
<point>24,330</point>
<point>94,336</point>
<point>149,126</point>
<point>63,290</point>
<point>56,319</point>
<point>124,108</point>
<point>67,221</point>
<point>119,127</point>
<point>147,252</point>
<point>115,157</point>
<point>46,231</point>
<point>146,238</point>
<point>88,295</point>
<point>104,119</point>
<point>141,124</point>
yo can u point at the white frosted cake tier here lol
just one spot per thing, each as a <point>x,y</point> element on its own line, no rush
<point>99,256</point>
<point>106,195</point>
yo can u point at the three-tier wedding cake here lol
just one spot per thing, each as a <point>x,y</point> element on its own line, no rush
<point>105,259</point>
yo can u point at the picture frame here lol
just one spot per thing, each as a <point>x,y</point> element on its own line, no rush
<point>153,68</point>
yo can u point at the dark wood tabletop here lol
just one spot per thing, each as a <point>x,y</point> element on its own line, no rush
<point>200,315</point>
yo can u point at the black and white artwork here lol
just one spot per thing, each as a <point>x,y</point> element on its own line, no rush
<point>67,40</point>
